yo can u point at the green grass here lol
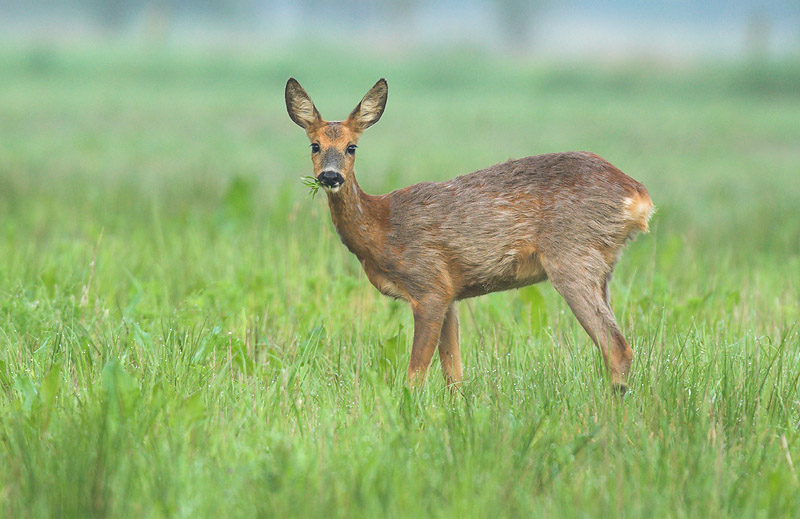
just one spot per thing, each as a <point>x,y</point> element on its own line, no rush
<point>183,335</point>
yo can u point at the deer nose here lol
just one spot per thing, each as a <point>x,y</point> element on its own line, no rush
<point>330,178</point>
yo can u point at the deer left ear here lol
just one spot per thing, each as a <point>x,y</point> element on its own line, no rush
<point>370,109</point>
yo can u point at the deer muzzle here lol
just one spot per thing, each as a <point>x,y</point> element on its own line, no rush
<point>330,179</point>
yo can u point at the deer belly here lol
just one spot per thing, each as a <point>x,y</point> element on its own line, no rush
<point>514,269</point>
<point>527,268</point>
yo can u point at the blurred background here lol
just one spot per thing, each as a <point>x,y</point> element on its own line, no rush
<point>181,328</point>
<point>614,29</point>
<point>160,126</point>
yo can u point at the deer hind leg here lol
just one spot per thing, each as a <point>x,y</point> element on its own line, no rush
<point>588,300</point>
<point>429,316</point>
<point>449,349</point>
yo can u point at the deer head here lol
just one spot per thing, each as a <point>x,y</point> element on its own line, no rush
<point>333,143</point>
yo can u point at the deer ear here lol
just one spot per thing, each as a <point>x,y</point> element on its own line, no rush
<point>370,109</point>
<point>300,106</point>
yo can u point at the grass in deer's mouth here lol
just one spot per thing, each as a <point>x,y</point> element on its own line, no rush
<point>312,184</point>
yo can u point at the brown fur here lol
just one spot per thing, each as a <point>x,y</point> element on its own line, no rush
<point>562,216</point>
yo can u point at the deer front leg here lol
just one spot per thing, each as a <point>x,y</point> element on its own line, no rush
<point>449,349</point>
<point>429,315</point>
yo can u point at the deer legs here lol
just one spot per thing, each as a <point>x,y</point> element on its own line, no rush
<point>589,302</point>
<point>428,319</point>
<point>449,350</point>
<point>435,324</point>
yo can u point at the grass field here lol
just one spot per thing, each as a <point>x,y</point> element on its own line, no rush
<point>183,335</point>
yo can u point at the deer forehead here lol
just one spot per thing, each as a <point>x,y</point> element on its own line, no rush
<point>334,134</point>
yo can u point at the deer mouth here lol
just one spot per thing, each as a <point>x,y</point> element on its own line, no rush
<point>331,180</point>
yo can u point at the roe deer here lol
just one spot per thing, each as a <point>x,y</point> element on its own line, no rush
<point>562,216</point>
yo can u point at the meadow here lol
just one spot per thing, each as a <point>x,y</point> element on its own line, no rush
<point>183,335</point>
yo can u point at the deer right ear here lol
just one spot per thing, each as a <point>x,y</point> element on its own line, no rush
<point>300,106</point>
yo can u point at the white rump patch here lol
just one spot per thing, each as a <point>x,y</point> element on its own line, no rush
<point>639,210</point>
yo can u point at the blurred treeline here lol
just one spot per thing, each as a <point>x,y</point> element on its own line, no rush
<point>754,29</point>
<point>520,24</point>
<point>513,16</point>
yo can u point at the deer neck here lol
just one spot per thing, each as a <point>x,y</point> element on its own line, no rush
<point>360,219</point>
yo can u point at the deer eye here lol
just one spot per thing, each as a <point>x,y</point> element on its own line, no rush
<point>314,147</point>
<point>351,150</point>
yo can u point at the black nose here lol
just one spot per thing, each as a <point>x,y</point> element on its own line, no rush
<point>331,178</point>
